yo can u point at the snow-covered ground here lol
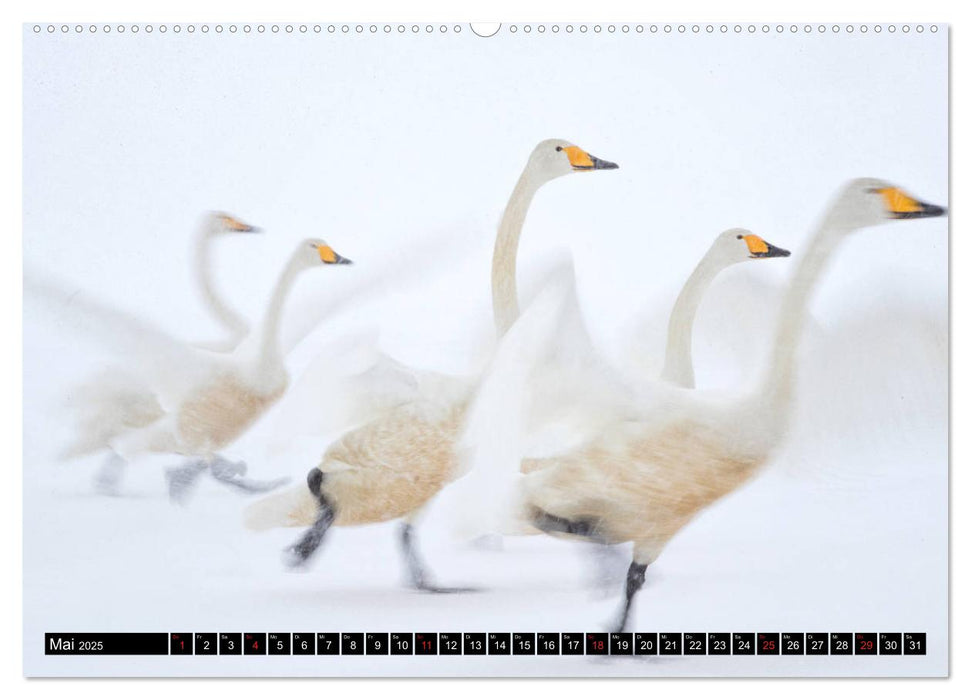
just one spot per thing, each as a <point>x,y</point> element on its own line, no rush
<point>783,554</point>
<point>381,146</point>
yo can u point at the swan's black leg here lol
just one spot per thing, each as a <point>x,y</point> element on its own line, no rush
<point>416,570</point>
<point>588,530</point>
<point>182,479</point>
<point>299,552</point>
<point>547,522</point>
<point>635,579</point>
<point>232,474</point>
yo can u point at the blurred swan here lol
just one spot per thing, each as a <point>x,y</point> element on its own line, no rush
<point>486,492</point>
<point>205,400</point>
<point>214,226</point>
<point>730,247</point>
<point>650,458</point>
<point>236,388</point>
<point>117,400</point>
<point>391,466</point>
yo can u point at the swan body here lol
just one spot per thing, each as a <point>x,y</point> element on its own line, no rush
<point>642,482</point>
<point>663,453</point>
<point>220,412</point>
<point>110,403</point>
<point>392,466</point>
<point>566,429</point>
<point>236,388</point>
<point>420,462</point>
<point>116,400</point>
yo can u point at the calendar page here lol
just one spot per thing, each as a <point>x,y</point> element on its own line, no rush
<point>545,349</point>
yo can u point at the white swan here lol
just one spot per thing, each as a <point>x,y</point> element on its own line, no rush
<point>116,400</point>
<point>221,394</point>
<point>216,225</point>
<point>660,456</point>
<point>390,467</point>
<point>730,247</point>
<point>484,516</point>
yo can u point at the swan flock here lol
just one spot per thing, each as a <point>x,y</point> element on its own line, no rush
<point>549,438</point>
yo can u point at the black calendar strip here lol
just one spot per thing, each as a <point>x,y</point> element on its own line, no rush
<point>107,643</point>
<point>489,644</point>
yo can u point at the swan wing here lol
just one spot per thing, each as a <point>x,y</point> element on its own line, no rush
<point>347,382</point>
<point>106,405</point>
<point>546,392</point>
<point>571,392</point>
<point>159,359</point>
<point>374,279</point>
<point>351,382</point>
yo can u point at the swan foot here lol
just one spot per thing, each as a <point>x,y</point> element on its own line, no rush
<point>635,580</point>
<point>299,552</point>
<point>426,588</point>
<point>181,480</point>
<point>108,479</point>
<point>232,474</point>
<point>417,574</point>
<point>223,470</point>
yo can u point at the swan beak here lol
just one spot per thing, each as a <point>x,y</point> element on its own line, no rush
<point>772,252</point>
<point>758,247</point>
<point>923,211</point>
<point>603,164</point>
<point>581,160</point>
<point>329,256</point>
<point>589,162</point>
<point>902,206</point>
<point>236,226</point>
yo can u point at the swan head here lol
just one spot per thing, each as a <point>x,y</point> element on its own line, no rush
<point>868,201</point>
<point>739,244</point>
<point>221,223</point>
<point>316,251</point>
<point>554,158</point>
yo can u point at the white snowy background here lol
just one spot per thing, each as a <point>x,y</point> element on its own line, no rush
<point>388,144</point>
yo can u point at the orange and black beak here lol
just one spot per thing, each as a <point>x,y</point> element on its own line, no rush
<point>771,251</point>
<point>758,247</point>
<point>581,160</point>
<point>236,226</point>
<point>901,205</point>
<point>599,164</point>
<point>329,256</point>
<point>923,211</point>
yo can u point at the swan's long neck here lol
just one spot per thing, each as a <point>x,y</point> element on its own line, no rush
<point>270,354</point>
<point>505,302</point>
<point>777,389</point>
<point>232,321</point>
<point>678,367</point>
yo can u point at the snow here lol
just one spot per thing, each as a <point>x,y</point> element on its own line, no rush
<point>379,146</point>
